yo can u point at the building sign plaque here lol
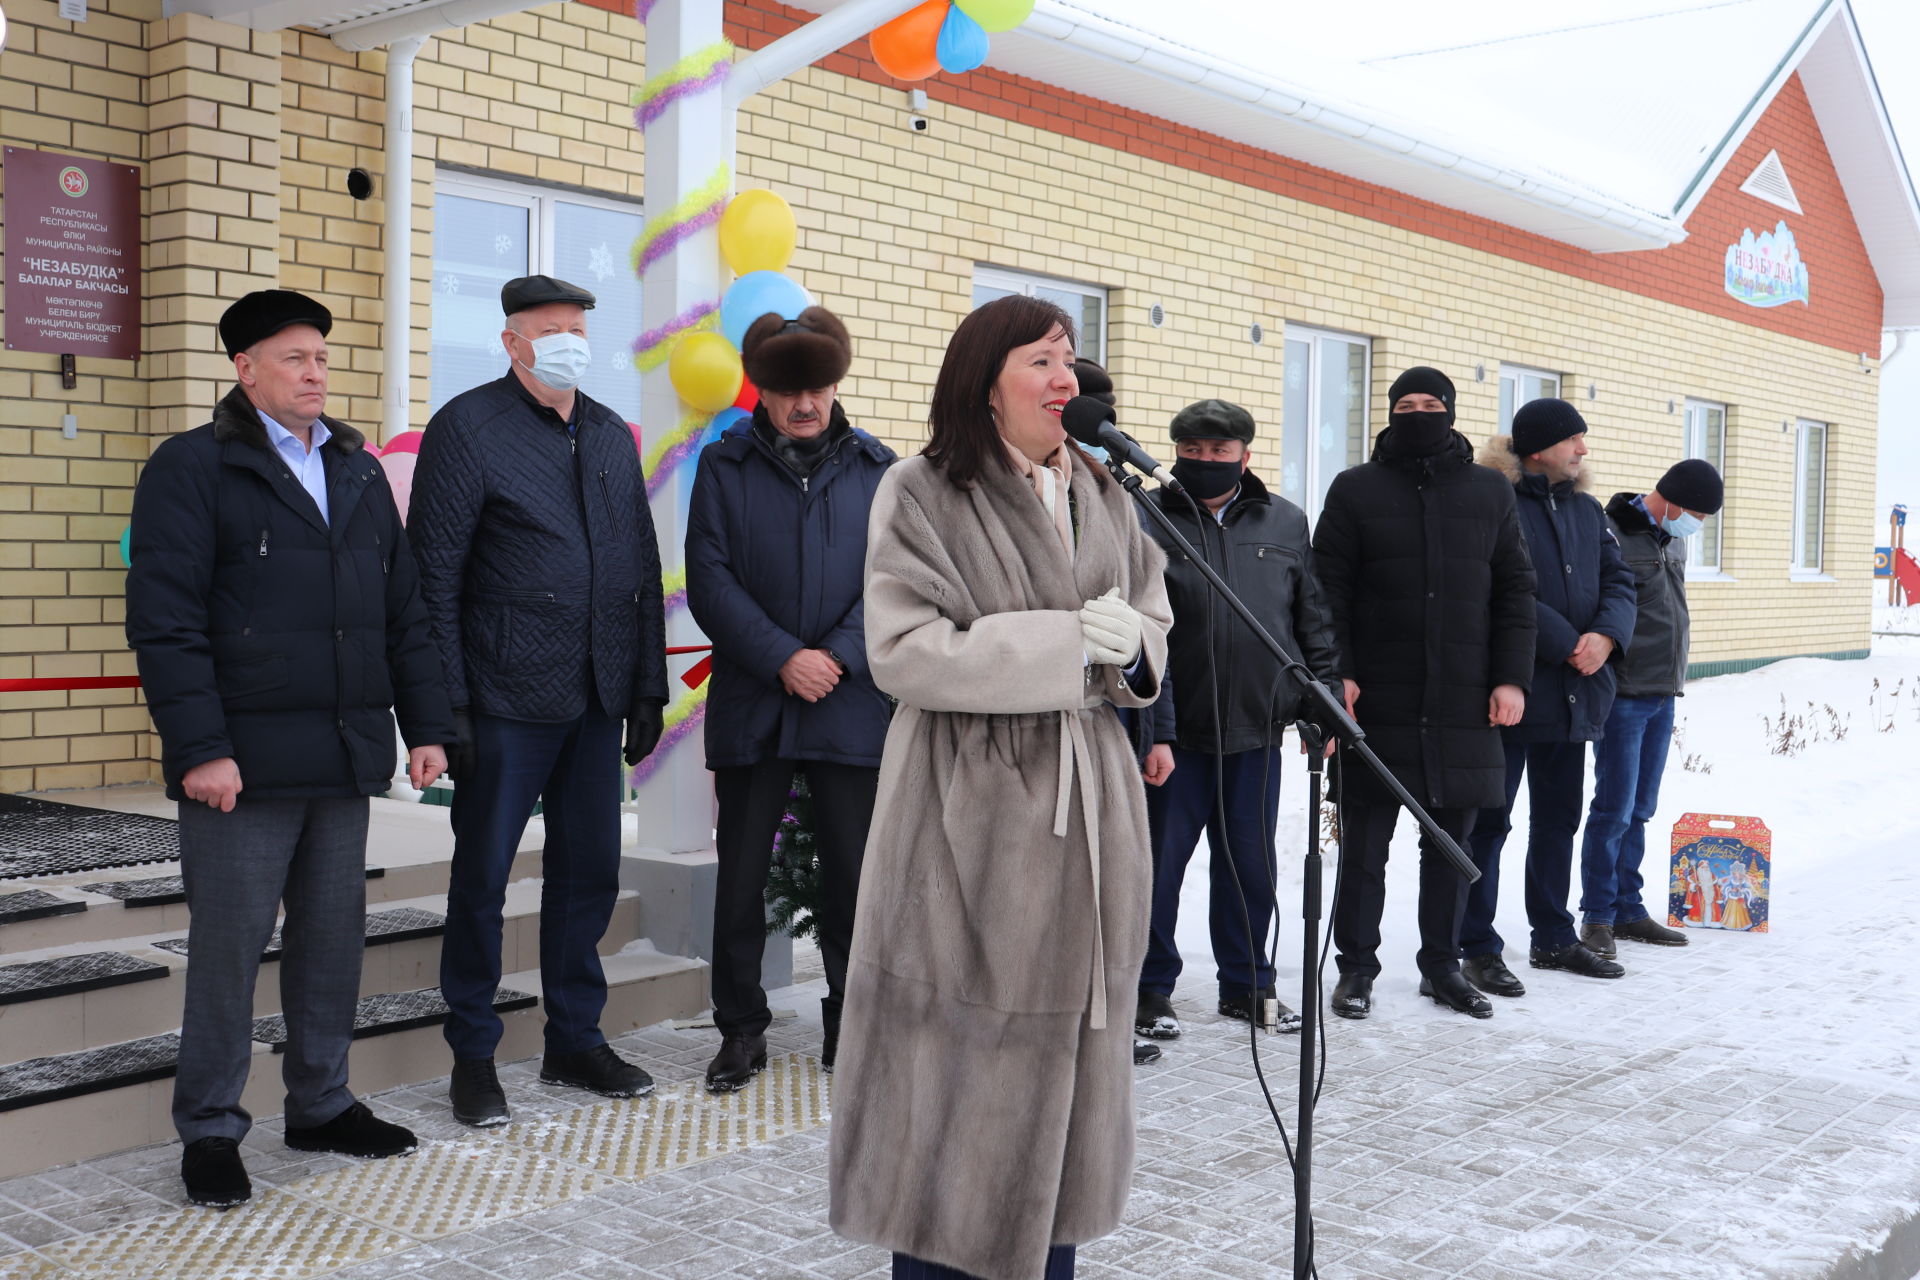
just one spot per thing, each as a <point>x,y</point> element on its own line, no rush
<point>72,255</point>
<point>1765,270</point>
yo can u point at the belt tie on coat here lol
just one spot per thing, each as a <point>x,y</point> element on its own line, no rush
<point>1077,756</point>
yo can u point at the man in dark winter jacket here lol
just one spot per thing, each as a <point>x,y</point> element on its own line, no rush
<point>1427,577</point>
<point>1584,605</point>
<point>273,605</point>
<point>1628,763</point>
<point>776,562</point>
<point>542,577</point>
<point>1234,706</point>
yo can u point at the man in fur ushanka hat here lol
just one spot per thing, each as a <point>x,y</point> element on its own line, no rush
<point>776,557</point>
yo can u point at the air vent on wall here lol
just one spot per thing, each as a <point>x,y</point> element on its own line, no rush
<point>1769,183</point>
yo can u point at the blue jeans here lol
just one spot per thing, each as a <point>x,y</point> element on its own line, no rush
<point>1177,811</point>
<point>573,768</point>
<point>1627,765</point>
<point>1556,775</point>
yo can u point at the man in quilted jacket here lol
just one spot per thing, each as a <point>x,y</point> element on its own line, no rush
<point>542,580</point>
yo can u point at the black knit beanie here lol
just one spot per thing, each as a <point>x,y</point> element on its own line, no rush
<point>1542,424</point>
<point>1421,380</point>
<point>1694,484</point>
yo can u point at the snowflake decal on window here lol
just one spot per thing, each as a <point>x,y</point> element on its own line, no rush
<point>450,283</point>
<point>600,261</point>
<point>503,244</point>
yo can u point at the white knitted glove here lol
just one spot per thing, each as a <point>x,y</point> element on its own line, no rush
<point>1110,628</point>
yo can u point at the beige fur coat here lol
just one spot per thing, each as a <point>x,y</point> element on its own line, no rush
<point>983,1108</point>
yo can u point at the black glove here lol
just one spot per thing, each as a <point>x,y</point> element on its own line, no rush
<point>645,717</point>
<point>463,760</point>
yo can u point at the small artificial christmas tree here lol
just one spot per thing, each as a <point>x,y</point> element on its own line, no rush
<point>793,879</point>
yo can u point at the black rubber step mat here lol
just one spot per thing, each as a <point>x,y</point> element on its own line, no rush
<point>402,924</point>
<point>162,891</point>
<point>391,1011</point>
<point>69,1075</point>
<point>45,838</point>
<point>35,904</point>
<point>68,975</point>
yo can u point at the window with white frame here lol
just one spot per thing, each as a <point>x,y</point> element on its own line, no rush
<point>1809,497</point>
<point>487,232</point>
<point>1706,437</point>
<point>1086,303</point>
<point>1323,412</point>
<point>1518,385</point>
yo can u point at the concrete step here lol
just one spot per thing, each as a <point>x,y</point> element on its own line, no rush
<point>403,956</point>
<point>128,1104</point>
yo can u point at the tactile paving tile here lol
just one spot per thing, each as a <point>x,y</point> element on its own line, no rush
<point>35,904</point>
<point>390,1011</point>
<point>276,1237</point>
<point>686,1124</point>
<point>397,925</point>
<point>69,1075</point>
<point>66,975</point>
<point>43,837</point>
<point>447,1188</point>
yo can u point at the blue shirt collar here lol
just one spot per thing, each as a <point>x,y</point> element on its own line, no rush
<point>281,437</point>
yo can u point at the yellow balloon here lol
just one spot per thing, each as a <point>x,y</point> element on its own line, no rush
<point>706,371</point>
<point>757,232</point>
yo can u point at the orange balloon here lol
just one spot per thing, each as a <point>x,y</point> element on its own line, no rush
<point>907,47</point>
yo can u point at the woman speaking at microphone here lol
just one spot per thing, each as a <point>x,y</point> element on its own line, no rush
<point>983,1110</point>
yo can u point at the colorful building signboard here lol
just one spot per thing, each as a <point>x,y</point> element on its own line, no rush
<point>1765,270</point>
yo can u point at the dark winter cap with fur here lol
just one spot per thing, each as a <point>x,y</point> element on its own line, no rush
<point>806,354</point>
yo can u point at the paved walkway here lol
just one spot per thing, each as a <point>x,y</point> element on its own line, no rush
<point>1747,1107</point>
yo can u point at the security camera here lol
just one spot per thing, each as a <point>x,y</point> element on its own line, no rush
<point>917,123</point>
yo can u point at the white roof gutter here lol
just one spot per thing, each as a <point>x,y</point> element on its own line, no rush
<point>1114,43</point>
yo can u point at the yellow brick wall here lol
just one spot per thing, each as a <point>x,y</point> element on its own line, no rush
<point>247,139</point>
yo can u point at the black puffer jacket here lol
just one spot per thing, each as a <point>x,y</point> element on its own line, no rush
<point>270,635</point>
<point>537,556</point>
<point>1431,591</point>
<point>1656,662</point>
<point>1261,548</point>
<point>1580,584</point>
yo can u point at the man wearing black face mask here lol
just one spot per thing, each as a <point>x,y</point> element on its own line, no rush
<point>1235,702</point>
<point>1432,594</point>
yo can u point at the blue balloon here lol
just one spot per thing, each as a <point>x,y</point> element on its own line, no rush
<point>126,546</point>
<point>962,44</point>
<point>725,419</point>
<point>753,295</point>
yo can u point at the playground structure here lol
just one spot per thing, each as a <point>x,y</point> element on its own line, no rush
<point>1895,563</point>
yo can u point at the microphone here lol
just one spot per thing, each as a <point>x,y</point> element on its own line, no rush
<point>1091,423</point>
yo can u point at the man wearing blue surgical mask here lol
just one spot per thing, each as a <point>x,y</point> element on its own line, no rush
<point>1628,761</point>
<point>541,575</point>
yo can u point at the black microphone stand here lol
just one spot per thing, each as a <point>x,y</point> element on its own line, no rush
<point>1325,716</point>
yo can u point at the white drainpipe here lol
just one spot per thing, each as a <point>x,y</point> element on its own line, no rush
<point>396,331</point>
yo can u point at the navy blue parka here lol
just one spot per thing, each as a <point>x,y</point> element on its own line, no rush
<point>776,562</point>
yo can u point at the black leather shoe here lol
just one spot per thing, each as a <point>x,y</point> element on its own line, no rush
<point>1154,1018</point>
<point>740,1059</point>
<point>1598,938</point>
<point>476,1094</point>
<point>1491,975</point>
<point>1353,995</point>
<point>1455,992</point>
<point>1576,959</point>
<point>213,1173</point>
<point>1241,1007</point>
<point>1145,1051</point>
<point>599,1070</point>
<point>1650,931</point>
<point>355,1132</point>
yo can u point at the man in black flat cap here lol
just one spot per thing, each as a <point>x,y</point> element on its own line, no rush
<point>542,580</point>
<point>1232,710</point>
<point>776,568</point>
<point>1584,606</point>
<point>1628,763</point>
<point>1423,565</point>
<point>273,604</point>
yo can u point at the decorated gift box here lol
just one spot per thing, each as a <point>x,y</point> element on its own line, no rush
<point>1722,873</point>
